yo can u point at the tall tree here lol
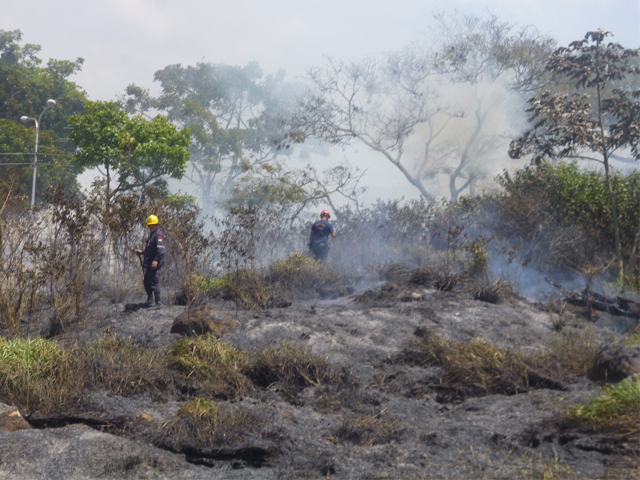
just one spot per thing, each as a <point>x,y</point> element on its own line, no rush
<point>232,112</point>
<point>489,64</point>
<point>592,125</point>
<point>25,87</point>
<point>442,96</point>
<point>130,152</point>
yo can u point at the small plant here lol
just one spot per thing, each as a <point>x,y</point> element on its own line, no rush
<point>370,430</point>
<point>37,375</point>
<point>289,366</point>
<point>202,423</point>
<point>474,366</point>
<point>617,408</point>
<point>211,366</point>
<point>570,354</point>
<point>122,367</point>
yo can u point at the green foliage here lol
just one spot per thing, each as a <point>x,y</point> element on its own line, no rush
<point>617,407</point>
<point>591,64</point>
<point>25,87</point>
<point>37,375</point>
<point>542,202</point>
<point>590,125</point>
<point>211,366</point>
<point>231,111</point>
<point>28,358</point>
<point>132,151</point>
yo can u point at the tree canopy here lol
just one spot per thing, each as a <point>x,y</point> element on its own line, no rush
<point>231,111</point>
<point>25,86</point>
<point>131,152</point>
<point>589,121</point>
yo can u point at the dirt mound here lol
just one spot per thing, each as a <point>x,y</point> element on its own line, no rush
<point>203,319</point>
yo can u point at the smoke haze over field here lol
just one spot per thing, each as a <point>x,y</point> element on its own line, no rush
<point>126,41</point>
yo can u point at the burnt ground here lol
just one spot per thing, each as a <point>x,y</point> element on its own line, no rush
<point>383,418</point>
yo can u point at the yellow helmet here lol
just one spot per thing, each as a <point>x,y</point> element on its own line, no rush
<point>152,220</point>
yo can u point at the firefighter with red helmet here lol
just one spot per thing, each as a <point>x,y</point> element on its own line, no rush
<point>319,238</point>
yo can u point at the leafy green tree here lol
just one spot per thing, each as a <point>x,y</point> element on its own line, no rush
<point>591,125</point>
<point>15,138</point>
<point>231,112</point>
<point>130,152</point>
<point>25,87</point>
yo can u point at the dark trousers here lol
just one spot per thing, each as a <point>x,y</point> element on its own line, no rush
<point>320,251</point>
<point>152,282</point>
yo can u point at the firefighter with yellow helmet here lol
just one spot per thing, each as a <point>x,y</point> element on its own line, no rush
<point>153,260</point>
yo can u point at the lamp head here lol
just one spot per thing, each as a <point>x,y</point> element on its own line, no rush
<point>24,119</point>
<point>51,103</point>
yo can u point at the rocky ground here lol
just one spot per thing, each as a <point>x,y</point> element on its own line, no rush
<point>383,416</point>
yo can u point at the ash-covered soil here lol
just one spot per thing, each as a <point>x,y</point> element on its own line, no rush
<point>383,416</point>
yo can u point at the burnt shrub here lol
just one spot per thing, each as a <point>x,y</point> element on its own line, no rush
<point>474,367</point>
<point>371,430</point>
<point>297,276</point>
<point>301,275</point>
<point>207,366</point>
<point>122,367</point>
<point>569,355</point>
<point>289,367</point>
<point>203,424</point>
<point>491,291</point>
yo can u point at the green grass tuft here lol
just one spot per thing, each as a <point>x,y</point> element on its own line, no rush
<point>617,407</point>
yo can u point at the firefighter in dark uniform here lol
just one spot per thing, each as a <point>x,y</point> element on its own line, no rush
<point>319,238</point>
<point>153,261</point>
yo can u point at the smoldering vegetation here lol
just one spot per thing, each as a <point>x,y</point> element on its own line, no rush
<point>276,396</point>
<point>485,336</point>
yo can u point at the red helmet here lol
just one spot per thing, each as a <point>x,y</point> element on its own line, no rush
<point>325,212</point>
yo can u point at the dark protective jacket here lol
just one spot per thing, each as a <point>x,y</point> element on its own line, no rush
<point>321,231</point>
<point>155,249</point>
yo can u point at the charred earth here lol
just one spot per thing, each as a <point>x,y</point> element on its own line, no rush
<point>402,380</point>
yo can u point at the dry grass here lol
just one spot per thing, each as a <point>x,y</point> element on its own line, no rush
<point>206,424</point>
<point>119,365</point>
<point>371,430</point>
<point>250,290</point>
<point>288,367</point>
<point>492,291</point>
<point>475,366</point>
<point>207,366</point>
<point>298,276</point>
<point>572,353</point>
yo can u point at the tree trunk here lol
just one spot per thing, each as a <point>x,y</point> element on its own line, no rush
<point>612,195</point>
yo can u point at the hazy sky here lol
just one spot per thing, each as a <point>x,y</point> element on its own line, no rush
<point>126,41</point>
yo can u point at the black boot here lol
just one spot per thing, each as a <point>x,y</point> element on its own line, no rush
<point>149,301</point>
<point>158,301</point>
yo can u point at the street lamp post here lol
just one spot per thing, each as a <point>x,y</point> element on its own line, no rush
<point>24,119</point>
